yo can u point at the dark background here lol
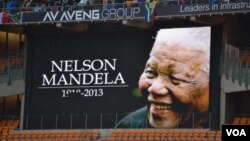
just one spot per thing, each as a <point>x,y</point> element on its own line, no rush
<point>131,49</point>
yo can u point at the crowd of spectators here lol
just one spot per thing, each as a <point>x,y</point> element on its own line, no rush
<point>44,5</point>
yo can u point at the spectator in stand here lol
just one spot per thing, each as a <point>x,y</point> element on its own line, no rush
<point>75,5</point>
<point>70,2</point>
<point>213,1</point>
<point>141,1</point>
<point>51,2</point>
<point>110,5</point>
<point>96,2</point>
<point>27,3</point>
<point>44,7</point>
<point>55,7</point>
<point>175,81</point>
<point>83,3</point>
<point>64,4</point>
<point>130,2</point>
<point>91,2</point>
<point>104,3</point>
<point>181,1</point>
<point>37,8</point>
<point>11,7</point>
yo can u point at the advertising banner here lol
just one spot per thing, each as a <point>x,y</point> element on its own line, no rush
<point>146,11</point>
<point>90,13</point>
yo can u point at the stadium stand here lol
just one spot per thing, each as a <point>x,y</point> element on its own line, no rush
<point>164,135</point>
<point>240,120</point>
<point>8,133</point>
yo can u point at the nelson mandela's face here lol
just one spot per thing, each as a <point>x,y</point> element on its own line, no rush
<point>175,85</point>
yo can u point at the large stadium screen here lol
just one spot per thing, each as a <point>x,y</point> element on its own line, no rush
<point>133,78</point>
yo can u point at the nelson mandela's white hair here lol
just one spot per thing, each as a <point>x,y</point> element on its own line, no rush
<point>197,38</point>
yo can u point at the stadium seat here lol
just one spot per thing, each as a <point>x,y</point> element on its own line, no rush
<point>236,120</point>
<point>248,121</point>
<point>243,121</point>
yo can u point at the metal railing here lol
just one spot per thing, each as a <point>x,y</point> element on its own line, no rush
<point>15,13</point>
<point>94,121</point>
<point>12,69</point>
<point>21,8</point>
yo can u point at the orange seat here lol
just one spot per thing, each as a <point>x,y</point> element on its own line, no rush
<point>248,121</point>
<point>236,120</point>
<point>243,121</point>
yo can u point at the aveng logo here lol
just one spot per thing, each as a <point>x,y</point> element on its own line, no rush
<point>72,15</point>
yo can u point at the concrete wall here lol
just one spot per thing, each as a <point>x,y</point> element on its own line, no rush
<point>16,87</point>
<point>234,33</point>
